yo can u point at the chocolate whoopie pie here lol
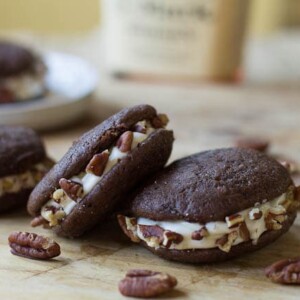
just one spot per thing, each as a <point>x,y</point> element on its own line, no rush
<point>212,206</point>
<point>23,163</point>
<point>22,73</point>
<point>100,168</point>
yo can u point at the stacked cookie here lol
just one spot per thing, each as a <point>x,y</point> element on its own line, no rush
<point>105,164</point>
<point>23,163</point>
<point>212,206</point>
<point>22,73</point>
<point>207,207</point>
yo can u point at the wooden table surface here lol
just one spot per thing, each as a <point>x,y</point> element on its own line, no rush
<point>202,117</point>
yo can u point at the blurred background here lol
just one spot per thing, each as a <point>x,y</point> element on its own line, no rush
<point>271,34</point>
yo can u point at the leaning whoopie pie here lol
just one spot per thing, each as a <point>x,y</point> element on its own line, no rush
<point>23,163</point>
<point>99,169</point>
<point>212,206</point>
<point>22,73</point>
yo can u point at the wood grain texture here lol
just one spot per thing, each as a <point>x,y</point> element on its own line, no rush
<point>202,117</point>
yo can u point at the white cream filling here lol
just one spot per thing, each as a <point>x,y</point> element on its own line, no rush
<point>216,230</point>
<point>25,86</point>
<point>26,180</point>
<point>89,181</point>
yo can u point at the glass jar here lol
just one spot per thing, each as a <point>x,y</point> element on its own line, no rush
<point>174,39</point>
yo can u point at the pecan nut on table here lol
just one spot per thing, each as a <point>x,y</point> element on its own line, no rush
<point>31,245</point>
<point>146,284</point>
<point>286,271</point>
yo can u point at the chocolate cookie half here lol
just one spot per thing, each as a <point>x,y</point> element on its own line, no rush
<point>23,163</point>
<point>22,73</point>
<point>212,206</point>
<point>100,168</point>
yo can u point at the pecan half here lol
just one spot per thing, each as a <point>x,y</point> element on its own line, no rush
<point>125,141</point>
<point>124,225</point>
<point>171,237</point>
<point>253,143</point>
<point>153,232</point>
<point>98,163</point>
<point>200,234</point>
<point>146,284</point>
<point>286,271</point>
<point>73,189</point>
<point>160,121</point>
<point>31,245</point>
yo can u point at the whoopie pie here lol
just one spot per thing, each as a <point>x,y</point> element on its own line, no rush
<point>99,169</point>
<point>212,206</point>
<point>23,163</point>
<point>22,73</point>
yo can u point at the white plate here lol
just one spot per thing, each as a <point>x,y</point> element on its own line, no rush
<point>70,80</point>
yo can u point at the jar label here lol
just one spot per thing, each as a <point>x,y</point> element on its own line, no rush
<point>200,38</point>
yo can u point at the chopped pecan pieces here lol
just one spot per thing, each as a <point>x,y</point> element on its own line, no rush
<point>140,127</point>
<point>297,193</point>
<point>53,209</point>
<point>225,242</point>
<point>125,141</point>
<point>278,210</point>
<point>152,232</point>
<point>98,163</point>
<point>200,234</point>
<point>222,240</point>
<point>73,189</point>
<point>31,245</point>
<point>286,271</point>
<point>146,284</point>
<point>171,237</point>
<point>274,221</point>
<point>160,121</point>
<point>234,220</point>
<point>131,222</point>
<point>58,195</point>
<point>292,199</point>
<point>128,229</point>
<point>255,213</point>
<point>244,232</point>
